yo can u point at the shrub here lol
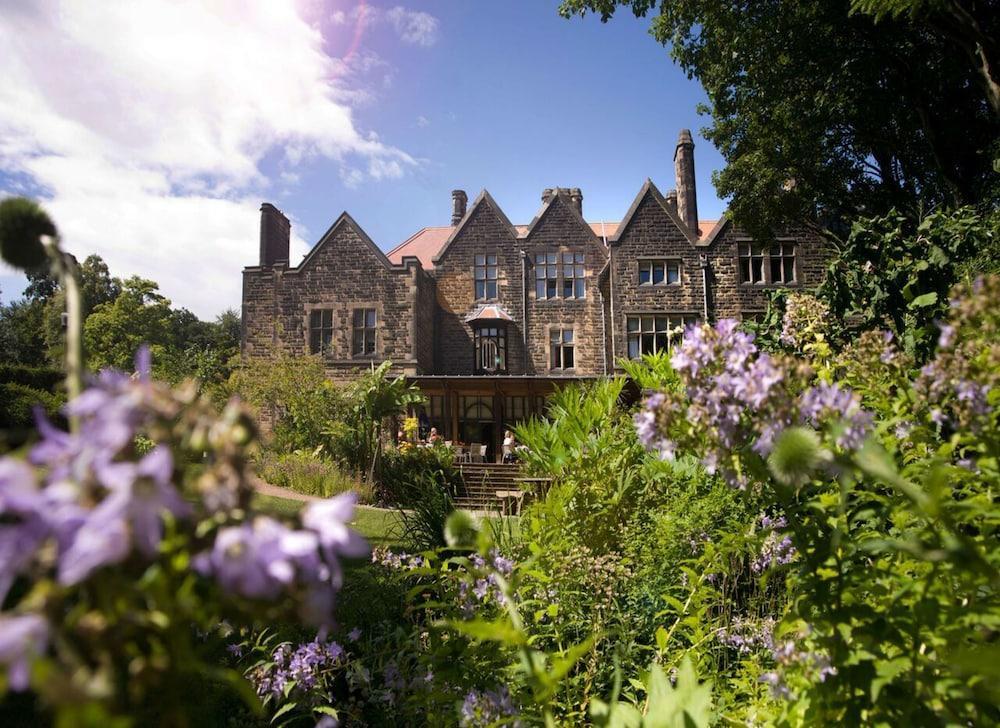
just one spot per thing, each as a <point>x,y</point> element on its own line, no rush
<point>311,474</point>
<point>42,378</point>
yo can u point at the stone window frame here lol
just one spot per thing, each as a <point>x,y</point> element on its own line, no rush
<point>354,308</point>
<point>550,273</point>
<point>767,279</point>
<point>556,338</point>
<point>328,349</point>
<point>485,268</point>
<point>667,260</point>
<point>685,317</point>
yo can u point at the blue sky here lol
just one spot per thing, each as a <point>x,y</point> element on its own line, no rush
<point>381,110</point>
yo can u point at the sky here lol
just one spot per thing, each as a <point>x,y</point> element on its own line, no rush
<point>152,130</point>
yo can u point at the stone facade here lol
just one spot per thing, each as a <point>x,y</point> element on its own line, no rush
<point>659,264</point>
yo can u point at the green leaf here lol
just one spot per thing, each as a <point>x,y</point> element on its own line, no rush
<point>483,630</point>
<point>286,708</point>
<point>688,704</point>
<point>927,299</point>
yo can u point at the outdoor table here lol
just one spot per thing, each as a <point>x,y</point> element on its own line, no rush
<point>511,501</point>
<point>538,486</point>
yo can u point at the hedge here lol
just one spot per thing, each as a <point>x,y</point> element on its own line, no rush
<point>43,378</point>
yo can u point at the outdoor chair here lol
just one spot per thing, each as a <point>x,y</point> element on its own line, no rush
<point>476,452</point>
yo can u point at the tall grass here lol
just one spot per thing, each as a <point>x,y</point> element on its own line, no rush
<point>311,475</point>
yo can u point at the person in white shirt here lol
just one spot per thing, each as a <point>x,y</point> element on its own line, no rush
<point>509,443</point>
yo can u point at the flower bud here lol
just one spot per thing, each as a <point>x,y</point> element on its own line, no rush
<point>22,225</point>
<point>795,456</point>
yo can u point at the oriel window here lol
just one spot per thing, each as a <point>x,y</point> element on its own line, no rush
<point>364,332</point>
<point>491,349</point>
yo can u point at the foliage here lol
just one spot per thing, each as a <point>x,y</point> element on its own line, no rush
<point>818,111</point>
<point>295,397</point>
<point>310,474</point>
<point>17,415</point>
<point>421,483</point>
<point>22,333</point>
<point>375,397</point>
<point>893,271</point>
<point>111,575</point>
<point>31,376</point>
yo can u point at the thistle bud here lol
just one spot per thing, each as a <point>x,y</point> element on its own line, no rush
<point>22,224</point>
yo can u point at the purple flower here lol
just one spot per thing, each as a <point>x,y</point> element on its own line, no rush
<point>140,493</point>
<point>247,559</point>
<point>829,403</point>
<point>102,540</point>
<point>329,519</point>
<point>22,638</point>
<point>947,337</point>
<point>23,508</point>
<point>487,708</point>
<point>327,721</point>
<point>354,635</point>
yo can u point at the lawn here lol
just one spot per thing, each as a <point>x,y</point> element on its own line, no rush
<point>380,526</point>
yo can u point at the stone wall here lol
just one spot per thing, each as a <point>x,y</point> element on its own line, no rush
<point>485,232</point>
<point>561,230</point>
<point>343,272</point>
<point>651,233</point>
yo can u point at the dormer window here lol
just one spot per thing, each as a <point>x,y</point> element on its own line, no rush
<point>486,270</point>
<point>491,349</point>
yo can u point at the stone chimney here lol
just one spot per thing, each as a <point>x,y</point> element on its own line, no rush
<point>547,194</point>
<point>687,200</point>
<point>671,199</point>
<point>274,234</point>
<point>576,197</point>
<point>459,200</point>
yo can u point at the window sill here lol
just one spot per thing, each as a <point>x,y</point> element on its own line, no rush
<point>747,284</point>
<point>661,285</point>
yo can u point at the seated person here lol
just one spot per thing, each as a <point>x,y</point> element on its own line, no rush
<point>434,438</point>
<point>509,447</point>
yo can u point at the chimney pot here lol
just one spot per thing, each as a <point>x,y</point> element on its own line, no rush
<point>671,199</point>
<point>459,200</point>
<point>687,198</point>
<point>275,231</point>
<point>547,194</point>
<point>576,197</point>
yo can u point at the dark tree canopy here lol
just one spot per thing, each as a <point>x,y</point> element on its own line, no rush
<point>827,114</point>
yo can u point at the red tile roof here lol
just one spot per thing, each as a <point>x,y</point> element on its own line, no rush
<point>425,243</point>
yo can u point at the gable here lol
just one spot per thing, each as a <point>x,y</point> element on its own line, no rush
<point>345,240</point>
<point>652,203</point>
<point>484,218</point>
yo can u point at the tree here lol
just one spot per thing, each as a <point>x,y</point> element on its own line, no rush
<point>114,331</point>
<point>97,286</point>
<point>22,339</point>
<point>823,114</point>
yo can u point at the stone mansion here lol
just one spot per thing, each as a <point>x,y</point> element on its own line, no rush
<point>486,316</point>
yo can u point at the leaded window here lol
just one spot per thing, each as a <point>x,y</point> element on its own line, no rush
<point>364,332</point>
<point>491,349</point>
<point>561,349</point>
<point>574,284</point>
<point>655,334</point>
<point>659,272</point>
<point>486,270</point>
<point>320,330</point>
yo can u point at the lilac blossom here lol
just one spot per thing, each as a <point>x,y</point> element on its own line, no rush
<point>22,638</point>
<point>826,403</point>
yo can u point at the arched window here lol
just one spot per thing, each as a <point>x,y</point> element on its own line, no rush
<point>491,349</point>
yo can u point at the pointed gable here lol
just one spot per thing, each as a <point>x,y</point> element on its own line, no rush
<point>650,195</point>
<point>345,232</point>
<point>560,204</point>
<point>483,204</point>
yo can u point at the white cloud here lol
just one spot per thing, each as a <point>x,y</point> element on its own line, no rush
<point>411,26</point>
<point>423,121</point>
<point>414,26</point>
<point>146,122</point>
